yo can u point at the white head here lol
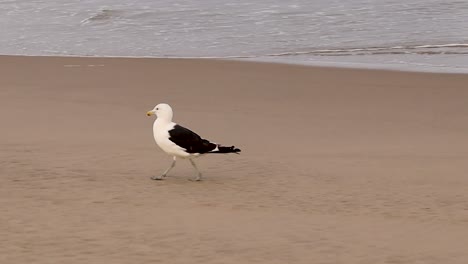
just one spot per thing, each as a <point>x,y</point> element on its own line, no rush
<point>162,111</point>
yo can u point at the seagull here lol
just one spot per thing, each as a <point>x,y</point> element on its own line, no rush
<point>180,142</point>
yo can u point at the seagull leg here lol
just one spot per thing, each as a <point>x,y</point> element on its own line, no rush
<point>199,175</point>
<point>165,172</point>
<point>170,168</point>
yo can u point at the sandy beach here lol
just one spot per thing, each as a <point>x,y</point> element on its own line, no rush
<point>337,165</point>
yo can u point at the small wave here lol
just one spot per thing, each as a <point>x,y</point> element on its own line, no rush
<point>103,15</point>
<point>428,49</point>
<point>454,45</point>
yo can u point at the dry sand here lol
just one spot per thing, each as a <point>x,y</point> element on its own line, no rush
<point>338,165</point>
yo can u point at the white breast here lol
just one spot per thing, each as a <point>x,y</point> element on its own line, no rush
<point>161,136</point>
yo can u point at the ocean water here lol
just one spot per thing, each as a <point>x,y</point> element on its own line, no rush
<point>421,35</point>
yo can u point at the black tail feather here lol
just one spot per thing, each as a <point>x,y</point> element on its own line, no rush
<point>223,149</point>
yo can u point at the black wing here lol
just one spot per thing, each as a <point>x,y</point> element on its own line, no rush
<point>189,140</point>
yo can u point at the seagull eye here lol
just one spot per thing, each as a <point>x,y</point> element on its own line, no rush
<point>157,108</point>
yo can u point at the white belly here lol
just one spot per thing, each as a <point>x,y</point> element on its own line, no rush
<point>161,136</point>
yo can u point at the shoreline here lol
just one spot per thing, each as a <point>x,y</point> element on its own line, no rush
<point>268,60</point>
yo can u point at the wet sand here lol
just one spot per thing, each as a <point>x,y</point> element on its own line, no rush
<point>337,165</point>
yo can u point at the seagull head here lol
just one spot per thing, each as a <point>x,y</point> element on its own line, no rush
<point>162,111</point>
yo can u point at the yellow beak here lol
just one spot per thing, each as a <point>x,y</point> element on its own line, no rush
<point>149,113</point>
